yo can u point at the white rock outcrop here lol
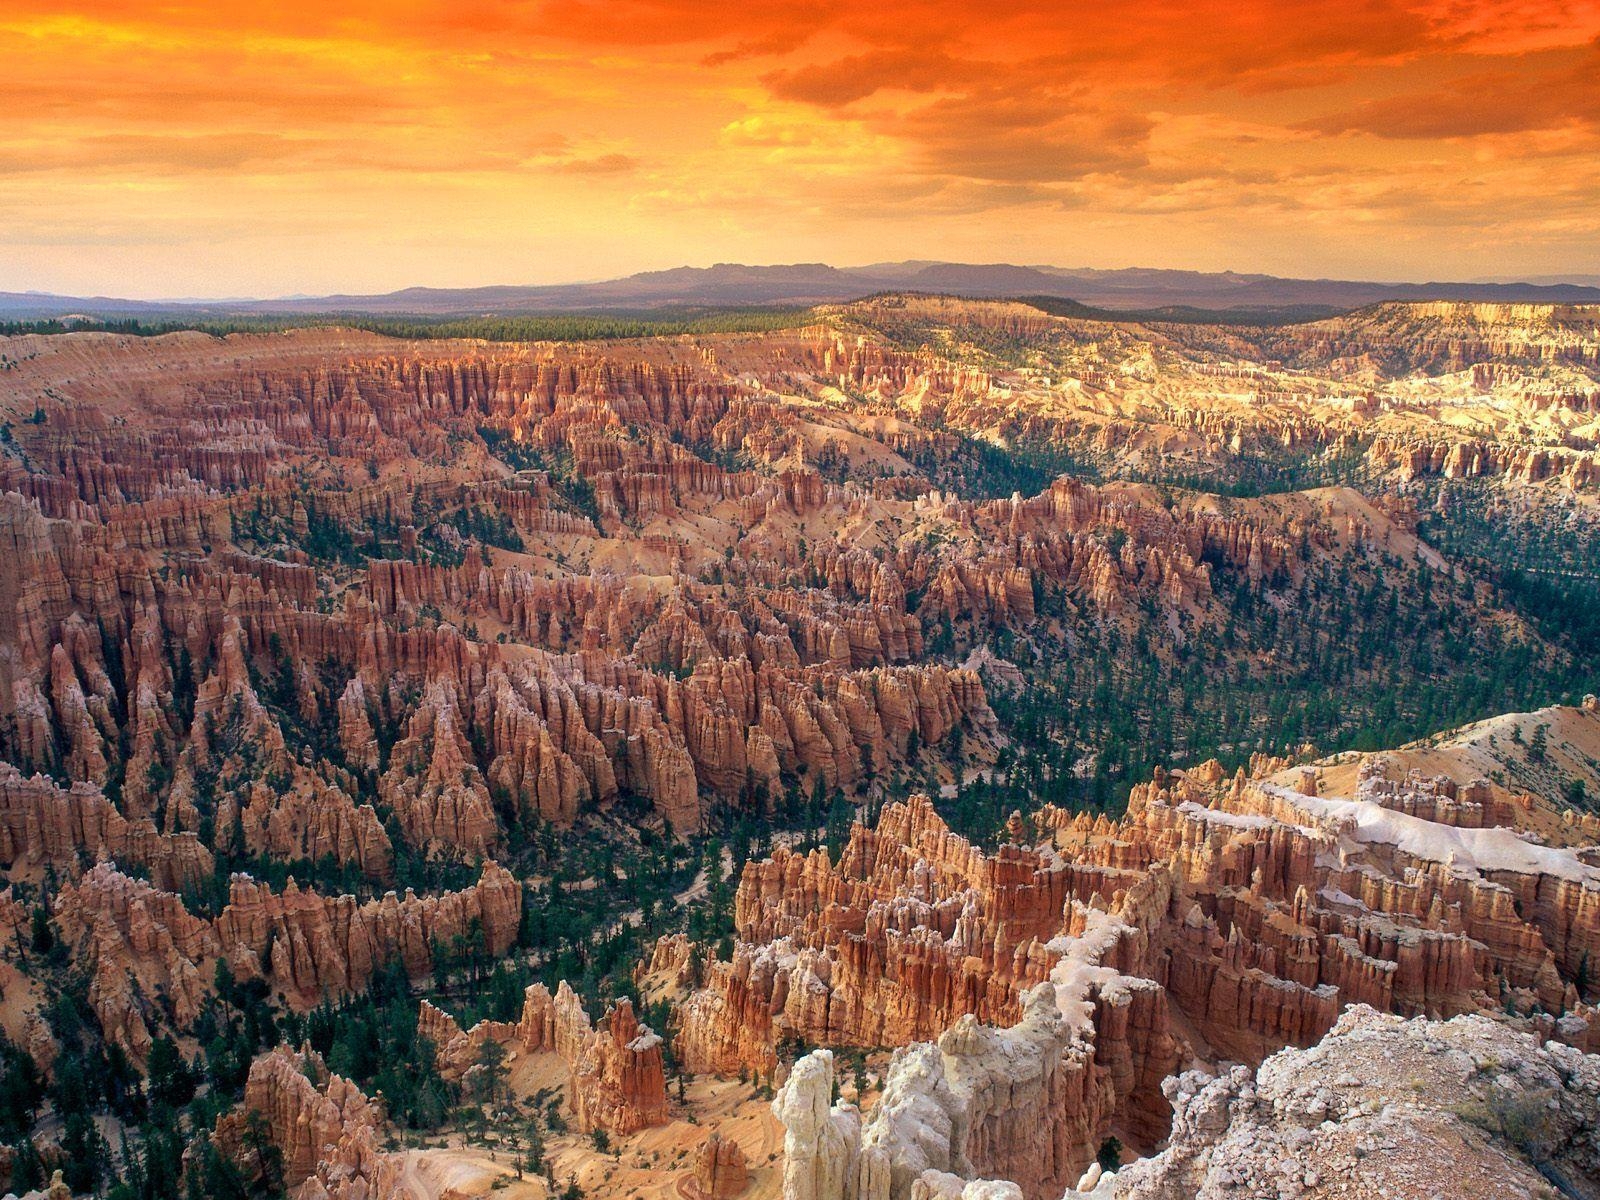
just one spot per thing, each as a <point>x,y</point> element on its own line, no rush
<point>822,1140</point>
<point>979,1096</point>
<point>1383,1106</point>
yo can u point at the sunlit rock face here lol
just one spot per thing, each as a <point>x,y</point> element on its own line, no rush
<point>326,1130</point>
<point>1066,981</point>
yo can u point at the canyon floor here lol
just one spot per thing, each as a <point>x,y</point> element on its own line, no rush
<point>939,748</point>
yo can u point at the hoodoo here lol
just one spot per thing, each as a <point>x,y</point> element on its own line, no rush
<point>930,749</point>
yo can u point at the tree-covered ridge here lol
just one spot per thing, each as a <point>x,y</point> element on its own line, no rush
<point>599,325</point>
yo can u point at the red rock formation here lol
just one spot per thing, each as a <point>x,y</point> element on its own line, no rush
<point>326,1129</point>
<point>265,588</point>
<point>310,946</point>
<point>434,786</point>
<point>42,824</point>
<point>149,955</point>
<point>310,821</point>
<point>1256,910</point>
<point>617,1077</point>
<point>777,685</point>
<point>719,1169</point>
<point>915,932</point>
<point>619,1083</point>
<point>153,961</point>
<point>457,1051</point>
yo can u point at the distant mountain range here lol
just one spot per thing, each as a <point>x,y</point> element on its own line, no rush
<point>732,284</point>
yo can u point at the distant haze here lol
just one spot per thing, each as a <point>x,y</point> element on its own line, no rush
<point>729,284</point>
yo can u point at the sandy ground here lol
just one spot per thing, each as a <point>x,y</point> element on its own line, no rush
<point>20,998</point>
<point>650,1165</point>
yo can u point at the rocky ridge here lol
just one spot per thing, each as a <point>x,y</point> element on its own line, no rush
<point>1223,918</point>
<point>1384,1106</point>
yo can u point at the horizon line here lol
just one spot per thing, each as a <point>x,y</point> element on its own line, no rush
<point>1533,279</point>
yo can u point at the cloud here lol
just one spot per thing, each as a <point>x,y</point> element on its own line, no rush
<point>789,126</point>
<point>165,153</point>
<point>855,77</point>
<point>1548,95</point>
<point>603,164</point>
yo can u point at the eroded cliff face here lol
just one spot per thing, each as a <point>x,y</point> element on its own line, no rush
<point>719,1169</point>
<point>616,1076</point>
<point>326,1130</point>
<point>261,596</point>
<point>153,961</point>
<point>915,937</point>
<point>193,695</point>
<point>1456,390</point>
<point>719,697</point>
<point>186,620</point>
<point>619,1083</point>
<point>1044,993</point>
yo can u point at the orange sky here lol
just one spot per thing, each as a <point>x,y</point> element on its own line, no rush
<point>186,148</point>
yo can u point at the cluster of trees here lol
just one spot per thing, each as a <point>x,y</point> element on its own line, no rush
<point>487,525</point>
<point>372,1039</point>
<point>598,325</point>
<point>445,537</point>
<point>90,1080</point>
<point>1264,471</point>
<point>1354,655</point>
<point>54,325</point>
<point>595,325</point>
<point>981,470</point>
<point>326,540</point>
<point>571,486</point>
<point>1545,566</point>
<point>604,894</point>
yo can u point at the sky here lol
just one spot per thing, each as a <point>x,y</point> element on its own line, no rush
<point>152,149</point>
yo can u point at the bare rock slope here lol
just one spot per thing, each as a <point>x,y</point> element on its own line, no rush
<point>1384,1106</point>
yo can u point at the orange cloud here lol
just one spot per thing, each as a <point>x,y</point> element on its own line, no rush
<point>370,145</point>
<point>1563,88</point>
